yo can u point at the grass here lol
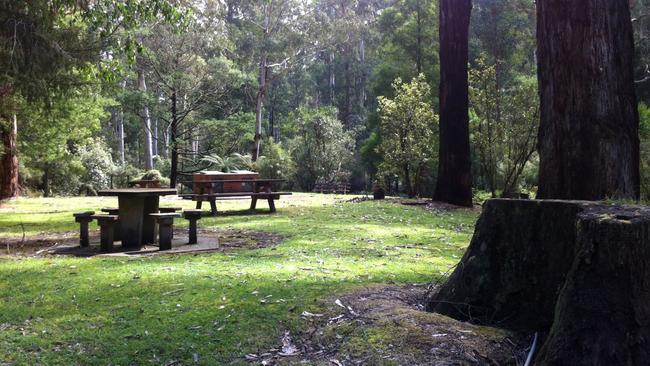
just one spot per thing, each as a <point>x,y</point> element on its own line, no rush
<point>210,308</point>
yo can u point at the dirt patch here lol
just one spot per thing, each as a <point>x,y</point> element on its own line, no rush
<point>386,325</point>
<point>419,202</point>
<point>67,243</point>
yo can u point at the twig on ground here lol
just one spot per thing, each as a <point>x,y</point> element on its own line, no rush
<point>529,359</point>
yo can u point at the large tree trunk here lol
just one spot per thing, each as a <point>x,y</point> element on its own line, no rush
<point>588,136</point>
<point>454,183</point>
<point>9,185</point>
<point>580,270</point>
<point>146,120</point>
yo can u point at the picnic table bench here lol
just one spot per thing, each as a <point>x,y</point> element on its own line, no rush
<point>254,188</point>
<point>332,187</point>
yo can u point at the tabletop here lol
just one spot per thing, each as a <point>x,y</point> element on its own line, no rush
<point>137,192</point>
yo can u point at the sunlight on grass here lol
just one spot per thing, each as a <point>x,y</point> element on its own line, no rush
<point>215,307</point>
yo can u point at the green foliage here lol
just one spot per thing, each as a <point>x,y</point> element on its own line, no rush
<point>408,129</point>
<point>504,120</point>
<point>229,135</point>
<point>230,163</point>
<point>321,148</point>
<point>408,45</point>
<point>276,163</point>
<point>162,165</point>
<point>123,174</point>
<point>644,137</point>
<point>57,142</point>
<point>151,175</point>
<point>97,161</point>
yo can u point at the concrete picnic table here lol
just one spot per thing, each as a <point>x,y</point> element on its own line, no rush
<point>135,205</point>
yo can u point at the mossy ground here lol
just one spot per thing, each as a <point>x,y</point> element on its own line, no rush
<point>209,308</point>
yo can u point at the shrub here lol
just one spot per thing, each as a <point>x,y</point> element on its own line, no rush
<point>276,163</point>
<point>321,146</point>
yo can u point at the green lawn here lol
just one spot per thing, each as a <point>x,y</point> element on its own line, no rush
<point>208,308</point>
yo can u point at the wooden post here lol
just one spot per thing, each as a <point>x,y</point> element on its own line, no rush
<point>213,207</point>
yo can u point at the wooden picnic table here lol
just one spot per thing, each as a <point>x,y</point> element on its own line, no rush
<point>135,205</point>
<point>260,189</point>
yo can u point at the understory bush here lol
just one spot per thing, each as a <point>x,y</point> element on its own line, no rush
<point>276,163</point>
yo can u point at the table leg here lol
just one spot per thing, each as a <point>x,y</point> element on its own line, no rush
<point>213,207</point>
<point>131,212</point>
<point>149,223</point>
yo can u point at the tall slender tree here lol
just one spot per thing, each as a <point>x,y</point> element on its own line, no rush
<point>454,183</point>
<point>588,136</point>
<point>146,123</point>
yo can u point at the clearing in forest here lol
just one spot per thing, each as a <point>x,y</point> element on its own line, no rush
<point>218,307</point>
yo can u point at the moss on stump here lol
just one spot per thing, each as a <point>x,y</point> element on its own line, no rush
<point>577,270</point>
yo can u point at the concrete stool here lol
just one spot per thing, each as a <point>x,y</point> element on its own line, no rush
<point>117,228</point>
<point>83,218</point>
<point>107,228</point>
<point>192,216</point>
<point>165,223</point>
<point>170,210</point>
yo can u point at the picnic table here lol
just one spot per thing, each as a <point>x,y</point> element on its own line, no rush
<point>204,190</point>
<point>135,206</point>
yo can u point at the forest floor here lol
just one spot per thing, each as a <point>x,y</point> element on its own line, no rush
<point>329,279</point>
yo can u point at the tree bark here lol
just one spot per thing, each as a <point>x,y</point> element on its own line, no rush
<point>602,315</point>
<point>154,143</point>
<point>454,183</point>
<point>588,135</point>
<point>146,120</point>
<point>331,79</point>
<point>575,269</point>
<point>408,185</point>
<point>259,106</point>
<point>173,146</point>
<point>9,184</point>
<point>120,134</point>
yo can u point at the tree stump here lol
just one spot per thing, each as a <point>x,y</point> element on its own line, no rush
<point>602,315</point>
<point>515,265</point>
<point>578,270</point>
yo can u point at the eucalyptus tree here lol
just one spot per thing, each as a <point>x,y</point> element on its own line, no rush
<point>189,72</point>
<point>50,48</point>
<point>279,35</point>
<point>404,43</point>
<point>503,107</point>
<point>454,184</point>
<point>589,127</point>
